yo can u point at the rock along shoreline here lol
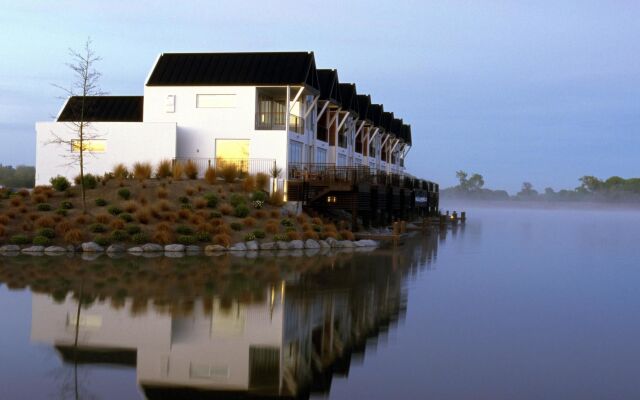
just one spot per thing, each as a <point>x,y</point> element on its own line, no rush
<point>178,250</point>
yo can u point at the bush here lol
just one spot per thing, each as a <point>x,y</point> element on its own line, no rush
<point>257,204</point>
<point>119,235</point>
<point>60,183</point>
<point>226,209</point>
<point>187,239</point>
<point>249,237</point>
<point>140,238</point>
<point>249,184</point>
<point>229,172</point>
<point>293,235</point>
<point>262,181</point>
<point>203,236</point>
<point>117,224</point>
<point>41,241</point>
<point>19,239</point>
<point>346,235</point>
<point>101,202</point>
<point>259,195</point>
<point>222,239</point>
<point>73,236</point>
<point>90,181</point>
<point>44,207</point>
<point>97,228</point>
<point>62,212</point>
<point>102,240</point>
<point>249,222</point>
<point>120,171</point>
<point>191,169</point>
<point>164,169</point>
<point>113,210</point>
<point>215,214</point>
<point>212,200</point>
<point>286,222</point>
<point>259,234</point>
<point>236,226</point>
<point>237,199</point>
<point>241,211</point>
<point>281,238</point>
<point>143,216</point>
<point>124,193</point>
<point>126,217</point>
<point>210,175</point>
<point>162,193</point>
<point>66,205</point>
<point>276,199</point>
<point>103,218</point>
<point>132,229</point>
<point>162,237</point>
<point>45,221</point>
<point>184,230</point>
<point>310,235</point>
<point>177,170</point>
<point>142,170</point>
<point>46,232</point>
<point>183,199</point>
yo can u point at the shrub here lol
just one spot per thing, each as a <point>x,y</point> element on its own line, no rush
<point>184,214</point>
<point>4,219</point>
<point>61,212</point>
<point>203,236</point>
<point>132,229</point>
<point>41,241</point>
<point>162,237</point>
<point>310,235</point>
<point>249,222</point>
<point>257,204</point>
<point>184,230</point>
<point>66,205</point>
<point>316,228</point>
<point>271,228</point>
<point>187,239</point>
<point>249,237</point>
<point>23,193</point>
<point>186,206</point>
<point>102,240</point>
<point>346,235</point>
<point>191,169</point>
<point>60,183</point>
<point>46,232</point>
<point>126,217</point>
<point>120,171</point>
<point>226,209</point>
<point>130,206</point>
<point>19,239</point>
<point>73,236</point>
<point>229,172</point>
<point>237,199</point>
<point>15,201</point>
<point>45,222</point>
<point>183,199</point>
<point>142,170</point>
<point>259,196</point>
<point>329,234</point>
<point>164,169</point>
<point>262,181</point>
<point>63,227</point>
<point>140,238</point>
<point>241,211</point>
<point>38,198</point>
<point>259,234</point>
<point>212,200</point>
<point>236,226</point>
<point>103,218</point>
<point>119,235</point>
<point>293,235</point>
<point>97,228</point>
<point>162,193</point>
<point>82,219</point>
<point>281,238</point>
<point>286,222</point>
<point>100,202</point>
<point>113,210</point>
<point>276,199</point>
<point>44,207</point>
<point>249,184</point>
<point>222,239</point>
<point>260,214</point>
<point>177,171</point>
<point>90,181</point>
<point>163,205</point>
<point>143,216</point>
<point>124,193</point>
<point>210,175</point>
<point>215,214</point>
<point>200,203</point>
<point>117,224</point>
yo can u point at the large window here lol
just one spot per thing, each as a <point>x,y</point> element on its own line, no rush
<point>321,156</point>
<point>233,151</point>
<point>271,113</point>
<point>295,152</point>
<point>342,160</point>
<point>89,145</point>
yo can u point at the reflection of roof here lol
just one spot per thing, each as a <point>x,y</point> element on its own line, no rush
<point>96,355</point>
<point>103,109</point>
<point>262,68</point>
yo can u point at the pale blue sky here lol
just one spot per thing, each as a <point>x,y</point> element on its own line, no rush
<point>544,91</point>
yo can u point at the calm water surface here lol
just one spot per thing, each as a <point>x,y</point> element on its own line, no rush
<point>517,304</point>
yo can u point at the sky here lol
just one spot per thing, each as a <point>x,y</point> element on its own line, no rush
<point>537,91</point>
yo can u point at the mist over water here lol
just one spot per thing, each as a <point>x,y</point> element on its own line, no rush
<point>520,302</point>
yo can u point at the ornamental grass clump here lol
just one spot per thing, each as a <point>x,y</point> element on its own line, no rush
<point>143,216</point>
<point>142,171</point>
<point>117,224</point>
<point>222,239</point>
<point>262,181</point>
<point>191,169</point>
<point>164,169</point>
<point>63,227</point>
<point>229,172</point>
<point>249,184</point>
<point>45,221</point>
<point>162,237</point>
<point>120,171</point>
<point>249,222</point>
<point>130,206</point>
<point>200,203</point>
<point>226,209</point>
<point>276,199</point>
<point>162,193</point>
<point>73,236</point>
<point>103,218</point>
<point>272,226</point>
<point>346,235</point>
<point>177,170</point>
<point>210,175</point>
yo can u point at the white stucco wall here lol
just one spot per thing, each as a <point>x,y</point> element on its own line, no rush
<point>126,142</point>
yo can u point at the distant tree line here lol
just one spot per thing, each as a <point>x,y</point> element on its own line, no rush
<point>613,189</point>
<point>21,176</point>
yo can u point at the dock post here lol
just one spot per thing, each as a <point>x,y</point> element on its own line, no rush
<point>463,216</point>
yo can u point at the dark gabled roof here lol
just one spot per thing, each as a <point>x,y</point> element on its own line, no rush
<point>406,133</point>
<point>349,95</point>
<point>396,126</point>
<point>375,114</point>
<point>328,79</point>
<point>225,69</point>
<point>103,109</point>
<point>385,121</point>
<point>364,101</point>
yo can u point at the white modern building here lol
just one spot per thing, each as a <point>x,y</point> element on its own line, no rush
<point>259,109</point>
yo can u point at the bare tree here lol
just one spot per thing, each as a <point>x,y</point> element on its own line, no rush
<point>83,86</point>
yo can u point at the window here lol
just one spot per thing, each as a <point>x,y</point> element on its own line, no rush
<point>90,145</point>
<point>321,156</point>
<point>215,100</point>
<point>342,160</point>
<point>295,152</point>
<point>271,113</point>
<point>233,151</point>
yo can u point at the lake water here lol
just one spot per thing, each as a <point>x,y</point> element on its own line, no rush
<point>516,304</point>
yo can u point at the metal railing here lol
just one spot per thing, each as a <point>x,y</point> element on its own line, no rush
<point>243,165</point>
<point>275,121</point>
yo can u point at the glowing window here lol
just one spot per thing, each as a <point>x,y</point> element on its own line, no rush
<point>89,145</point>
<point>216,100</point>
<point>232,151</point>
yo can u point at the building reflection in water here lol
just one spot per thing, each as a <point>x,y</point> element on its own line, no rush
<point>214,327</point>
